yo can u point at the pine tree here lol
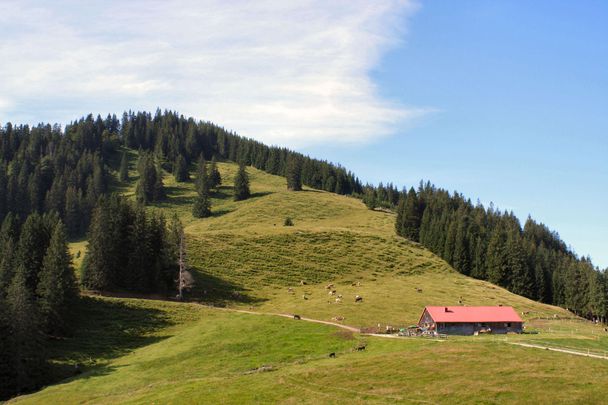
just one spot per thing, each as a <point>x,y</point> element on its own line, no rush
<point>7,359</point>
<point>369,198</point>
<point>57,286</point>
<point>150,186</point>
<point>73,214</point>
<point>180,169</point>
<point>411,216</point>
<point>25,338</point>
<point>140,254</point>
<point>123,173</point>
<point>215,179</point>
<point>520,281</point>
<point>461,257</point>
<point>202,182</point>
<point>241,184</point>
<point>33,243</point>
<point>7,264</point>
<point>202,206</point>
<point>294,173</point>
<point>400,212</point>
<point>497,268</point>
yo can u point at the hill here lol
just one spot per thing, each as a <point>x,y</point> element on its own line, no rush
<point>143,351</point>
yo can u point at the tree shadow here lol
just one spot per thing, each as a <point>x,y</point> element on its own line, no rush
<point>260,194</point>
<point>220,212</point>
<point>210,289</point>
<point>102,330</point>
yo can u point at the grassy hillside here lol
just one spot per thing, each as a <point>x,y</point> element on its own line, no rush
<point>204,355</point>
<point>142,351</point>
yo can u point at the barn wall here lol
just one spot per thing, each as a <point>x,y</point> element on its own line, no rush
<point>471,328</point>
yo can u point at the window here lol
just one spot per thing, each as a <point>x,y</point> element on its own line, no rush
<point>508,324</point>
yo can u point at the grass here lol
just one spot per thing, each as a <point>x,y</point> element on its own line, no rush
<point>138,351</point>
<point>214,357</point>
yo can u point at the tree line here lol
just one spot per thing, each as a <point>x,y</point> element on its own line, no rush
<point>130,249</point>
<point>45,169</point>
<point>179,142</point>
<point>38,293</point>
<point>491,245</point>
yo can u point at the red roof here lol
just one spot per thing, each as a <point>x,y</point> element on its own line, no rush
<point>473,314</point>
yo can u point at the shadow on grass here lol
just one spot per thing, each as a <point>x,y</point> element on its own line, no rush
<point>103,330</point>
<point>219,292</point>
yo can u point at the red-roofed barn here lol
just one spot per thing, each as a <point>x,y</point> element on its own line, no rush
<point>462,320</point>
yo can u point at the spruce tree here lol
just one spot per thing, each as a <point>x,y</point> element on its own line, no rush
<point>7,358</point>
<point>294,173</point>
<point>202,205</point>
<point>57,286</point>
<point>33,243</point>
<point>25,339</point>
<point>241,184</point>
<point>180,169</point>
<point>411,216</point>
<point>497,268</point>
<point>202,177</point>
<point>369,198</point>
<point>215,179</point>
<point>123,173</point>
<point>73,214</point>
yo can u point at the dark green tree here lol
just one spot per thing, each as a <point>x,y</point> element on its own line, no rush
<point>180,169</point>
<point>25,338</point>
<point>411,216</point>
<point>215,179</point>
<point>56,289</point>
<point>123,172</point>
<point>294,173</point>
<point>241,184</point>
<point>369,198</point>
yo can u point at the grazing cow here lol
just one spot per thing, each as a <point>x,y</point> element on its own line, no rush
<point>358,298</point>
<point>329,286</point>
<point>297,317</point>
<point>333,292</point>
<point>338,318</point>
<point>332,355</point>
<point>361,347</point>
<point>304,297</point>
<point>339,295</point>
<point>419,290</point>
<point>302,282</point>
<point>338,299</point>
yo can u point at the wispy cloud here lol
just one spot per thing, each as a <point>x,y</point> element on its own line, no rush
<point>294,73</point>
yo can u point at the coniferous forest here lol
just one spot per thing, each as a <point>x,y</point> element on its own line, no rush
<point>54,186</point>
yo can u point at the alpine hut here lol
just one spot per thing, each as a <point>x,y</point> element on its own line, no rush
<point>461,320</point>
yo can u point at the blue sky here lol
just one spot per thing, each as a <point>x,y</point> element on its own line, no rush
<point>521,97</point>
<point>505,101</point>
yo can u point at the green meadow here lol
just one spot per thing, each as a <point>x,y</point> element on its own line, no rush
<point>243,257</point>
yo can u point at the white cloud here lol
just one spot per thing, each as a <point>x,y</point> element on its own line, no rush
<point>292,73</point>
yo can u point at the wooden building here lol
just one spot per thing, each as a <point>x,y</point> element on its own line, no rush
<point>461,320</point>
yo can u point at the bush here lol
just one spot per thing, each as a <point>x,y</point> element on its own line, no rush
<point>288,222</point>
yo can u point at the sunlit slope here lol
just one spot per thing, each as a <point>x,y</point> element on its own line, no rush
<point>213,356</point>
<point>156,352</point>
<point>244,255</point>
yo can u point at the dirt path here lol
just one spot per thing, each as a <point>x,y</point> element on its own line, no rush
<point>290,316</point>
<point>555,349</point>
